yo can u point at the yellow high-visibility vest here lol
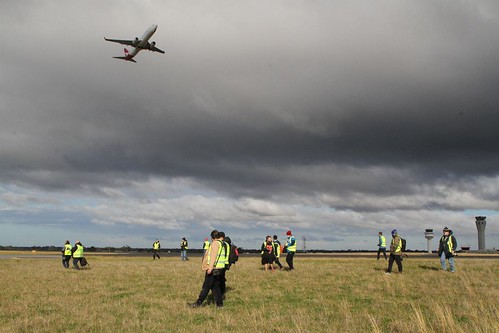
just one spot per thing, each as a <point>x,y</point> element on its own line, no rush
<point>67,249</point>
<point>291,248</point>
<point>220,259</point>
<point>79,251</point>
<point>382,241</point>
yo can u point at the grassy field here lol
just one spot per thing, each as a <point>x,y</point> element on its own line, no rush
<point>126,294</point>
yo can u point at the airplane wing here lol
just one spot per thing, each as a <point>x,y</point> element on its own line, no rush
<point>155,49</point>
<point>121,41</point>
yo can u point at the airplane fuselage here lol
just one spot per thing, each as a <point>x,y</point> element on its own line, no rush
<point>137,45</point>
<point>144,41</point>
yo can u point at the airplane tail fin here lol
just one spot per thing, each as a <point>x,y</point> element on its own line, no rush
<point>126,57</point>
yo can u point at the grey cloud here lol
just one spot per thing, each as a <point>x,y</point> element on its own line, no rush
<point>354,106</point>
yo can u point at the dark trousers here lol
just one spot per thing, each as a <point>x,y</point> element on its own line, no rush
<point>289,260</point>
<point>382,249</point>
<point>278,262</point>
<point>211,282</point>
<point>65,261</point>
<point>75,263</point>
<point>155,253</point>
<point>397,259</point>
<point>223,280</point>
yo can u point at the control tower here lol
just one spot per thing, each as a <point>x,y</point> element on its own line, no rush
<point>480,226</point>
<point>428,234</point>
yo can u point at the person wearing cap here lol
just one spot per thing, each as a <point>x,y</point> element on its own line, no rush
<point>155,249</point>
<point>395,252</point>
<point>183,249</point>
<point>290,249</point>
<point>447,249</point>
<point>277,251</point>
<point>381,245</point>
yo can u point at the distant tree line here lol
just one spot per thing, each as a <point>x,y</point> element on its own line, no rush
<point>126,248</point>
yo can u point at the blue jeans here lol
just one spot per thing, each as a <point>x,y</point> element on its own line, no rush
<point>451,262</point>
<point>183,254</point>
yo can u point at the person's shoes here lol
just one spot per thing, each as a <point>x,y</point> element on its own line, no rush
<point>194,305</point>
<point>388,273</point>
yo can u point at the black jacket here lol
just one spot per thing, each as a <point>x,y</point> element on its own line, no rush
<point>443,246</point>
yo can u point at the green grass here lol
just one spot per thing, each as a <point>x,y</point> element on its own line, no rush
<point>120,294</point>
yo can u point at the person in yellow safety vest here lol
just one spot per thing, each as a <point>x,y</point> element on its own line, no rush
<point>183,249</point>
<point>226,252</point>
<point>381,244</point>
<point>395,253</point>
<point>277,251</point>
<point>206,245</point>
<point>66,254</point>
<point>77,252</point>
<point>155,249</point>
<point>213,264</point>
<point>447,249</point>
<point>290,249</point>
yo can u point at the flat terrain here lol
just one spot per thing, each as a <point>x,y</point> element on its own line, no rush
<point>137,294</point>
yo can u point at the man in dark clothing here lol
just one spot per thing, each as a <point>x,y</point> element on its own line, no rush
<point>446,249</point>
<point>77,252</point>
<point>66,254</point>
<point>213,263</point>
<point>395,252</point>
<point>277,251</point>
<point>381,245</point>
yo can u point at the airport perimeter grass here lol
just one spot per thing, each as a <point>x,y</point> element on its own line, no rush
<point>127,294</point>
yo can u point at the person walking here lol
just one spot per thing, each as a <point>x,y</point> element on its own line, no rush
<point>381,245</point>
<point>395,253</point>
<point>77,252</point>
<point>267,252</point>
<point>155,249</point>
<point>290,249</point>
<point>66,254</point>
<point>277,251</point>
<point>213,263</point>
<point>447,249</point>
<point>184,245</point>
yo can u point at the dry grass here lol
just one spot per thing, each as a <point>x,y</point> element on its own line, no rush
<point>323,295</point>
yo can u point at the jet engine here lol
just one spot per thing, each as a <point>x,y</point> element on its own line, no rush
<point>153,44</point>
<point>136,41</point>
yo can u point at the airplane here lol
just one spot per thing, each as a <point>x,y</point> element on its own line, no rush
<point>137,44</point>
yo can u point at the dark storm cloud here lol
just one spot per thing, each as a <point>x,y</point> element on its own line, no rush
<point>254,99</point>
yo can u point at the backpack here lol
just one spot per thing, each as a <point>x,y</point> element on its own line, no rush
<point>83,262</point>
<point>404,244</point>
<point>233,254</point>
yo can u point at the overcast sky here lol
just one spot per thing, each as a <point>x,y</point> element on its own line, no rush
<point>334,119</point>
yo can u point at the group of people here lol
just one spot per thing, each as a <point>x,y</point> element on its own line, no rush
<point>215,263</point>
<point>184,245</point>
<point>76,252</point>
<point>271,250</point>
<point>446,250</point>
